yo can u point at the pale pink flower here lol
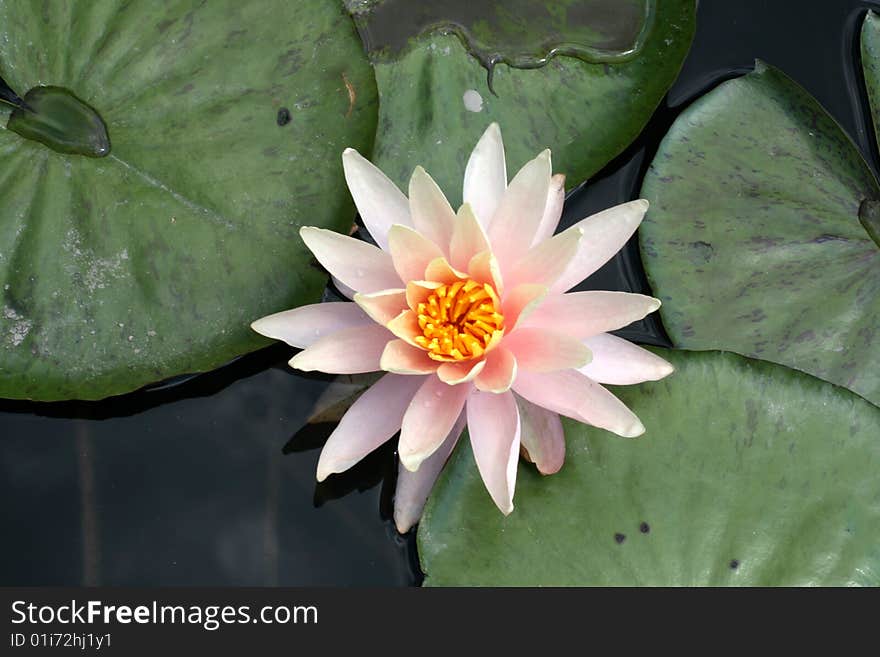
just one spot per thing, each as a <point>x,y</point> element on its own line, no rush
<point>468,313</point>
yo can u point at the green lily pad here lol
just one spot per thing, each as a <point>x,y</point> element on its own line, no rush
<point>749,474</point>
<point>871,68</point>
<point>435,100</point>
<point>755,239</point>
<point>870,51</point>
<point>226,122</point>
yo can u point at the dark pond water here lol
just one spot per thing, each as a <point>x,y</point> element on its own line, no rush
<point>200,483</point>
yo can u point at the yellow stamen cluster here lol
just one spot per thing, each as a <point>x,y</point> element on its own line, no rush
<point>459,321</point>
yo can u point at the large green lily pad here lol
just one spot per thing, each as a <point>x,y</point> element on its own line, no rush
<point>749,474</point>
<point>153,261</point>
<point>754,241</point>
<point>435,100</point>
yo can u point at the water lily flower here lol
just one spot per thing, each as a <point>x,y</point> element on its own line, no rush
<point>469,315</point>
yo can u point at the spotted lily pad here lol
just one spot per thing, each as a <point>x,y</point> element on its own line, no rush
<point>757,239</point>
<point>749,474</point>
<point>226,123</point>
<point>611,68</point>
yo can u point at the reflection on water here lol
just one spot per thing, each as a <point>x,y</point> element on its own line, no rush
<point>190,485</point>
<point>202,483</point>
<point>521,33</point>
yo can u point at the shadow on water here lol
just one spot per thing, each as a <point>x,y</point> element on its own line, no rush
<point>200,482</point>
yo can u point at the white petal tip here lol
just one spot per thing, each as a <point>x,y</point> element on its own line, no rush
<point>411,461</point>
<point>634,431</point>
<point>348,152</point>
<point>402,526</point>
<point>507,510</point>
<point>656,305</point>
<point>493,130</point>
<point>399,229</point>
<point>301,364</point>
<point>643,203</point>
<point>259,326</point>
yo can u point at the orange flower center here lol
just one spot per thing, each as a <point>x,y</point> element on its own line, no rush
<point>460,321</point>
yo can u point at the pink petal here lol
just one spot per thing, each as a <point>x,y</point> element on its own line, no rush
<point>483,268</point>
<point>359,265</point>
<point>485,177</point>
<point>344,290</point>
<point>413,488</point>
<point>574,395</point>
<point>553,209</point>
<point>383,306</point>
<point>374,418</point>
<point>521,302</point>
<point>401,357</point>
<point>440,271</point>
<point>542,436</point>
<point>349,351</point>
<point>431,213</point>
<point>582,314</point>
<point>520,212</point>
<point>541,350</point>
<point>494,428</point>
<point>428,420</point>
<point>619,362</point>
<point>303,326</point>
<point>605,234</point>
<point>499,373</point>
<point>380,203</point>
<point>461,372</point>
<point>411,252</point>
<point>546,262</point>
<point>468,238</point>
<point>406,326</point>
<point>418,292</point>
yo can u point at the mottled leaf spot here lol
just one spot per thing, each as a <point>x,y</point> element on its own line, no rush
<point>645,528</point>
<point>701,252</point>
<point>619,538</point>
<point>283,117</point>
